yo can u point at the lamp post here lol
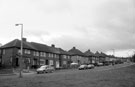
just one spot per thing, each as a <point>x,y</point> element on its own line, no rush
<point>20,59</point>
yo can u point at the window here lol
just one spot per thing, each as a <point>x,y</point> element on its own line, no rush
<point>26,51</point>
<point>50,62</point>
<point>43,54</point>
<point>26,61</point>
<point>68,57</point>
<point>19,51</point>
<point>64,56</point>
<point>57,56</point>
<point>54,55</point>
<point>35,53</point>
<point>42,62</point>
<point>64,62</point>
<point>50,54</point>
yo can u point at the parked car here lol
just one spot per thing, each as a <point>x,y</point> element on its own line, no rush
<point>90,66</point>
<point>82,67</point>
<point>100,64</point>
<point>106,63</point>
<point>45,69</point>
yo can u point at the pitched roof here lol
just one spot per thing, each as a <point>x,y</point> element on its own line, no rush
<point>64,52</point>
<point>75,51</point>
<point>41,47</point>
<point>89,53</point>
<point>103,54</point>
<point>17,43</point>
<point>54,50</point>
<point>46,48</point>
<point>100,54</point>
<point>97,54</point>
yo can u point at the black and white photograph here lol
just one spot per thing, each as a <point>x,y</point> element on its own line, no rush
<point>67,43</point>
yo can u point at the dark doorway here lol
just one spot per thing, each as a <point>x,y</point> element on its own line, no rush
<point>17,61</point>
<point>47,62</point>
<point>35,62</point>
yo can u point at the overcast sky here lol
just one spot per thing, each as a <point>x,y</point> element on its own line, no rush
<point>98,25</point>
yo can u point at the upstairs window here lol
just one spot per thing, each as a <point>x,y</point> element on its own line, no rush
<point>35,53</point>
<point>50,55</point>
<point>68,57</point>
<point>42,54</point>
<point>64,56</point>
<point>26,51</point>
<point>55,56</point>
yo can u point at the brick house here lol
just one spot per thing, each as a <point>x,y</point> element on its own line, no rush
<point>65,58</point>
<point>100,57</point>
<point>90,55</point>
<point>11,53</point>
<point>34,54</point>
<point>78,56</point>
<point>44,54</point>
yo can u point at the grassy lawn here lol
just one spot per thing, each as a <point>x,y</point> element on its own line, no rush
<point>122,77</point>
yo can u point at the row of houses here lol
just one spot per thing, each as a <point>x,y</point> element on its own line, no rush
<point>35,54</point>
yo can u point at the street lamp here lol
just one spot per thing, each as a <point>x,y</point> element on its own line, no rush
<point>20,59</point>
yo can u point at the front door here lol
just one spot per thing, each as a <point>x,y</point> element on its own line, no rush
<point>17,62</point>
<point>47,62</point>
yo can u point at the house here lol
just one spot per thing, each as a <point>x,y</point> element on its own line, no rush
<point>78,57</point>
<point>100,57</point>
<point>45,54</point>
<point>11,53</point>
<point>65,58</point>
<point>34,54</point>
<point>90,55</point>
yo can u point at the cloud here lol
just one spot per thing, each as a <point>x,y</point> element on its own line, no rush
<point>97,25</point>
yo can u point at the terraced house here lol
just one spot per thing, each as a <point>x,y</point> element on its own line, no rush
<point>34,54</point>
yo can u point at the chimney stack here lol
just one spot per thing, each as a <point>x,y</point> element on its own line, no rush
<point>74,48</point>
<point>53,45</point>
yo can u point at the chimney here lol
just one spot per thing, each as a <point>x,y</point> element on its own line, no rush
<point>53,45</point>
<point>24,39</point>
<point>89,50</point>
<point>74,48</point>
